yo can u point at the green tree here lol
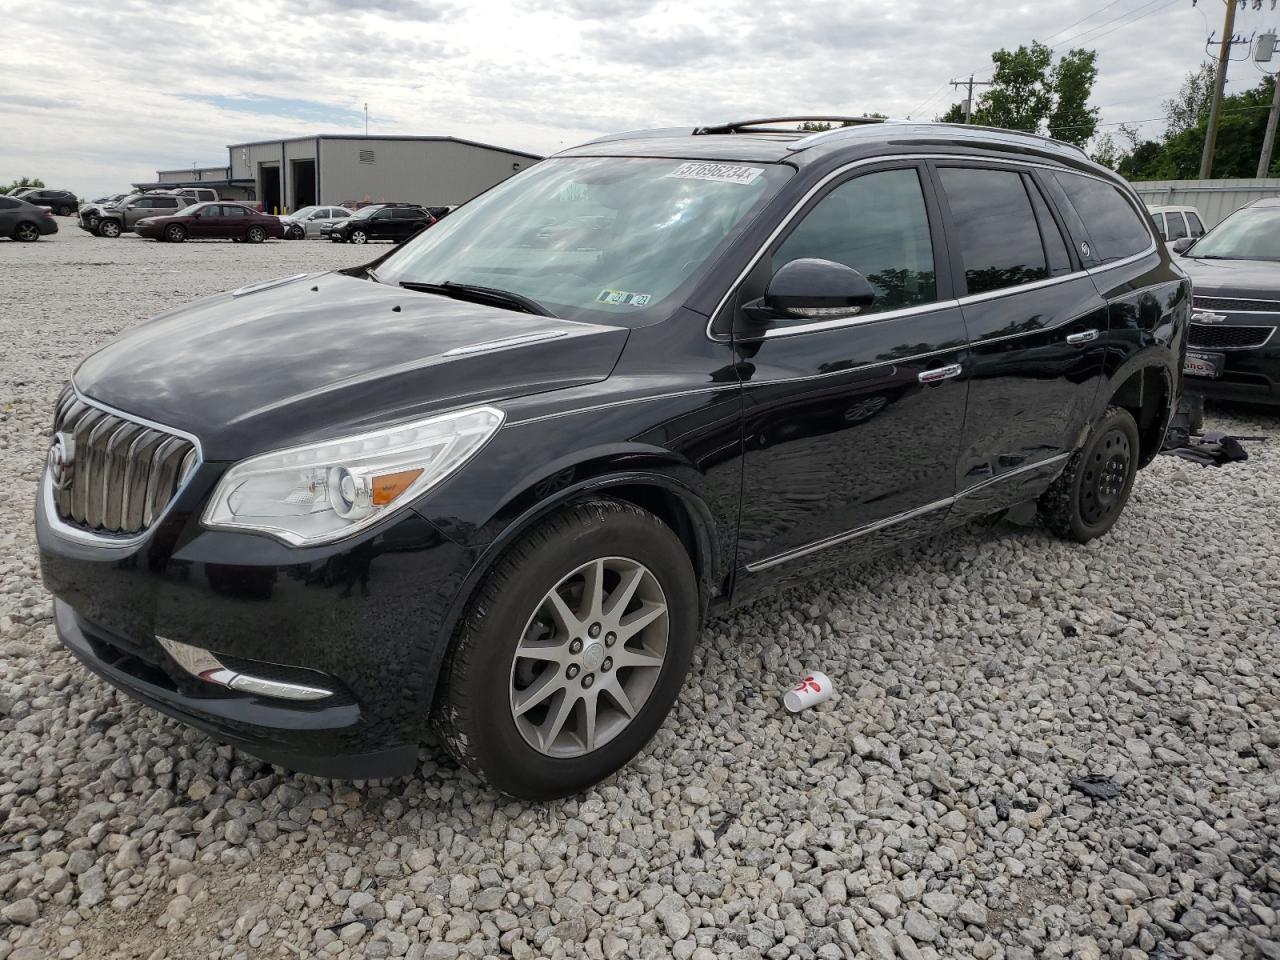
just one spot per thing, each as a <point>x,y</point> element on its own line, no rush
<point>23,182</point>
<point>1191,104</point>
<point>1031,92</point>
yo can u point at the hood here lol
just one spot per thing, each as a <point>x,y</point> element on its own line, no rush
<point>317,356</point>
<point>1245,279</point>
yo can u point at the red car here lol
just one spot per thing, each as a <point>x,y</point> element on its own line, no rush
<point>212,221</point>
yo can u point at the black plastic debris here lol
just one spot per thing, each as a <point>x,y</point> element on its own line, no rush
<point>1096,786</point>
<point>1213,449</point>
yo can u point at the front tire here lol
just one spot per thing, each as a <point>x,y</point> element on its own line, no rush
<point>255,235</point>
<point>359,236</point>
<point>572,651</point>
<point>109,229</point>
<point>1088,497</point>
<point>296,233</point>
<point>175,233</point>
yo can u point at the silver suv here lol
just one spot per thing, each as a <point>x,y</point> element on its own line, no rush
<point>120,217</point>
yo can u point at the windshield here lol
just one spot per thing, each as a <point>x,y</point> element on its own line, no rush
<point>596,238</point>
<point>1249,234</point>
<point>300,214</point>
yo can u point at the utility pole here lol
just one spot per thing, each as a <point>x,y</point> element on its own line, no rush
<point>971,83</point>
<point>366,119</point>
<point>1219,81</point>
<point>1263,53</point>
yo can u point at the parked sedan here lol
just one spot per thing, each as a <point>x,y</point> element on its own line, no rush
<point>212,221</point>
<point>24,221</point>
<point>305,224</point>
<point>387,221</point>
<point>1232,350</point>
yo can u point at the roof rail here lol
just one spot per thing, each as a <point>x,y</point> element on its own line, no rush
<point>741,126</point>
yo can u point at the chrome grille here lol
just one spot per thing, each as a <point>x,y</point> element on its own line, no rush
<point>123,473</point>
<point>1236,304</point>
<point>1227,337</point>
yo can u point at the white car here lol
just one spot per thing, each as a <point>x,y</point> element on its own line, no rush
<point>305,223</point>
<point>1174,223</point>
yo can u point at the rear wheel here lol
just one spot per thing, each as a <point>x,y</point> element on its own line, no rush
<point>255,234</point>
<point>572,651</point>
<point>64,211</point>
<point>1088,497</point>
<point>109,229</point>
<point>359,236</point>
<point>26,232</point>
<point>175,233</point>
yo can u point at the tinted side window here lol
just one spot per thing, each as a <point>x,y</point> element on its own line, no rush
<point>7,203</point>
<point>1115,229</point>
<point>1177,226</point>
<point>1197,228</point>
<point>1158,220</point>
<point>230,211</point>
<point>877,224</point>
<point>168,203</point>
<point>996,230</point>
<point>1055,247</point>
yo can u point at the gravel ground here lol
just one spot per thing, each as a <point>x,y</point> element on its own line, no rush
<point>925,812</point>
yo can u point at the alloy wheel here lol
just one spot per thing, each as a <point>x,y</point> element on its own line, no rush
<point>175,234</point>
<point>27,232</point>
<point>359,236</point>
<point>1105,477</point>
<point>590,656</point>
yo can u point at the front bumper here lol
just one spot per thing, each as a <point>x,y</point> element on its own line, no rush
<point>368,614</point>
<point>1249,375</point>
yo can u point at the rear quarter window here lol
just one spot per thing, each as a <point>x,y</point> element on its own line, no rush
<point>1115,229</point>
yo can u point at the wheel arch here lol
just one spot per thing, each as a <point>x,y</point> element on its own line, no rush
<point>1148,390</point>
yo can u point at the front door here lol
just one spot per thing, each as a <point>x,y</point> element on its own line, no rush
<point>208,224</point>
<point>1036,330</point>
<point>851,425</point>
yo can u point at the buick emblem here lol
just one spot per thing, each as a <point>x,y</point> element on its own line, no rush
<point>1207,316</point>
<point>62,459</point>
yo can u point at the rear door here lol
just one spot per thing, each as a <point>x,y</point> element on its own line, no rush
<point>235,220</point>
<point>1035,324</point>
<point>851,425</point>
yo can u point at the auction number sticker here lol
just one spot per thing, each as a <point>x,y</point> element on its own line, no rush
<point>719,172</point>
<point>624,298</point>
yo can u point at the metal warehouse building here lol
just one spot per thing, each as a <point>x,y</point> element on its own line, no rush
<point>434,171</point>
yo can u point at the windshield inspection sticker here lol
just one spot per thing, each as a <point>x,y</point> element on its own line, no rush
<point>719,172</point>
<point>622,297</point>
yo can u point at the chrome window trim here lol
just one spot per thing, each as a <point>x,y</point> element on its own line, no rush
<point>928,307</point>
<point>68,532</point>
<point>622,403</point>
<point>834,541</point>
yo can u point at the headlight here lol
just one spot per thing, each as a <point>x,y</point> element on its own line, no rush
<point>326,491</point>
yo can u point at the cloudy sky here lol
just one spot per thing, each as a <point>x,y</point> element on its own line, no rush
<point>103,94</point>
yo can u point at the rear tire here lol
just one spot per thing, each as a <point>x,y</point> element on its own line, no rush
<point>1090,494</point>
<point>255,234</point>
<point>109,229</point>
<point>26,232</point>
<point>175,233</point>
<point>551,724</point>
<point>64,211</point>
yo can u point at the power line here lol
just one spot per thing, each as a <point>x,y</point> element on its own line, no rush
<point>1134,123</point>
<point>1121,21</point>
<point>1081,20</point>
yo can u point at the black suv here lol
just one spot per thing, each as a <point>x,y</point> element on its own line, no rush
<point>1233,352</point>
<point>61,202</point>
<point>500,476</point>
<point>381,221</point>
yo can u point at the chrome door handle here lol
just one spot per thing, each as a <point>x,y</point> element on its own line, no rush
<point>1084,336</point>
<point>941,373</point>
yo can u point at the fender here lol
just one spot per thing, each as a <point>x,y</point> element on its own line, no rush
<point>1131,392</point>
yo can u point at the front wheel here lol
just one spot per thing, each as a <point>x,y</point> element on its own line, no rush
<point>255,234</point>
<point>359,236</point>
<point>1088,497</point>
<point>572,651</point>
<point>296,233</point>
<point>175,233</point>
<point>109,229</point>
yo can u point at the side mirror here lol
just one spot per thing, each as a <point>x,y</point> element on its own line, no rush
<point>812,289</point>
<point>1182,246</point>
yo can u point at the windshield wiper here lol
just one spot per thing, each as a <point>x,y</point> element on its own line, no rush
<point>478,294</point>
